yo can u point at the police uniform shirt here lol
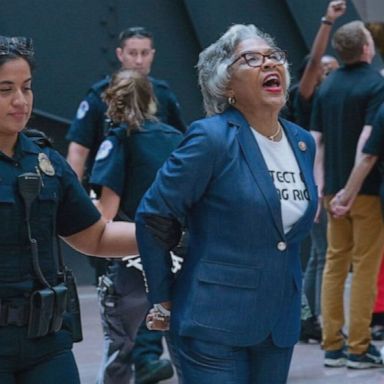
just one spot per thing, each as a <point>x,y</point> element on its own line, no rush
<point>128,164</point>
<point>168,107</point>
<point>89,126</point>
<point>61,207</point>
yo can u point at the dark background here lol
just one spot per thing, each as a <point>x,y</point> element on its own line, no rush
<point>75,42</point>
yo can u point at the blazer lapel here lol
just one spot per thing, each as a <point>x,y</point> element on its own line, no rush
<point>258,167</point>
<point>301,151</point>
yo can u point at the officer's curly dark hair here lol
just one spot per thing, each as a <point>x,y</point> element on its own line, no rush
<point>130,99</point>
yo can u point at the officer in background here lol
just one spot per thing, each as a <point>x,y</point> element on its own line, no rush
<point>135,51</point>
<point>88,129</point>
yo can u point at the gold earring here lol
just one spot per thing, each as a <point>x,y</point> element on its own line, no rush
<point>231,100</point>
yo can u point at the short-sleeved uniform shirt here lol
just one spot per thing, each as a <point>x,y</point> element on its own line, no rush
<point>61,207</point>
<point>346,101</point>
<point>89,126</point>
<point>128,164</point>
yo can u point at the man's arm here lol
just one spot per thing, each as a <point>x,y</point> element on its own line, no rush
<point>344,199</point>
<point>309,80</point>
<point>77,156</point>
<point>319,162</point>
<point>318,170</point>
<point>364,162</point>
<point>364,135</point>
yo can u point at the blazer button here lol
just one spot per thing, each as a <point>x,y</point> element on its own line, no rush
<point>281,246</point>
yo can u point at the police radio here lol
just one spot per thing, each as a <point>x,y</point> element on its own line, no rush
<point>29,188</point>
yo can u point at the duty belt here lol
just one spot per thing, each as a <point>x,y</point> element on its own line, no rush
<point>14,312</point>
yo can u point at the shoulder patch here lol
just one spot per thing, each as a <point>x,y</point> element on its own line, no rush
<point>104,150</point>
<point>82,110</point>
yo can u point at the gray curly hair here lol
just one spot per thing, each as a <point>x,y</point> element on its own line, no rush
<point>214,61</point>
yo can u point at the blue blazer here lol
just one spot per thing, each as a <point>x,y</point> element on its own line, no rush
<point>241,278</point>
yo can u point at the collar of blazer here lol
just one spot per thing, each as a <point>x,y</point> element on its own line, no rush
<point>255,161</point>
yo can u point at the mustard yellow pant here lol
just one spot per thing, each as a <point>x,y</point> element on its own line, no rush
<point>355,240</point>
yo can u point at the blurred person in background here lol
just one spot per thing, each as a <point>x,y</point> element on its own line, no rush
<point>344,108</point>
<point>372,154</point>
<point>317,69</point>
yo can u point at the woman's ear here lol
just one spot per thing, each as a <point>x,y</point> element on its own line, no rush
<point>229,92</point>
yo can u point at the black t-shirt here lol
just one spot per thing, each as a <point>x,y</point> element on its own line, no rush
<point>303,110</point>
<point>288,112</point>
<point>345,102</point>
<point>375,142</point>
<point>375,146</point>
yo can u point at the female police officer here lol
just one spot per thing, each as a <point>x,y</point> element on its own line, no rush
<point>40,198</point>
<point>125,166</point>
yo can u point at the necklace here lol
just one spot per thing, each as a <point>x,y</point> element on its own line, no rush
<point>273,137</point>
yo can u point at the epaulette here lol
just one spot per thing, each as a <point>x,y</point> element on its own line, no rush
<point>119,131</point>
<point>99,87</point>
<point>38,137</point>
<point>159,83</point>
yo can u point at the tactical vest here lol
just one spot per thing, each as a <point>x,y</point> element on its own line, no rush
<point>16,269</point>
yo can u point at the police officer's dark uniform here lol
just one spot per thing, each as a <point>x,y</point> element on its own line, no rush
<point>127,165</point>
<point>90,126</point>
<point>88,129</point>
<point>61,208</point>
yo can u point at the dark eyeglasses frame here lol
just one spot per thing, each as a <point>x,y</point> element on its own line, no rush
<point>263,55</point>
<point>20,45</point>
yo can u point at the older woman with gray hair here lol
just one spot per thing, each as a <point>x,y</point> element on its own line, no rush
<point>242,182</point>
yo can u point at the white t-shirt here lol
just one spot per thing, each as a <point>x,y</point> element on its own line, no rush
<point>285,172</point>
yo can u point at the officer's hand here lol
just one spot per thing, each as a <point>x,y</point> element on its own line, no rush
<point>166,230</point>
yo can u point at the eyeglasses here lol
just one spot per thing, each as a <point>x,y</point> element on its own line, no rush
<point>256,59</point>
<point>20,45</point>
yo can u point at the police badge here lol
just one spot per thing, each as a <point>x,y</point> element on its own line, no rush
<point>45,164</point>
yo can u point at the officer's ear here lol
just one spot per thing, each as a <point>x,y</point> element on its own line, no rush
<point>119,54</point>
